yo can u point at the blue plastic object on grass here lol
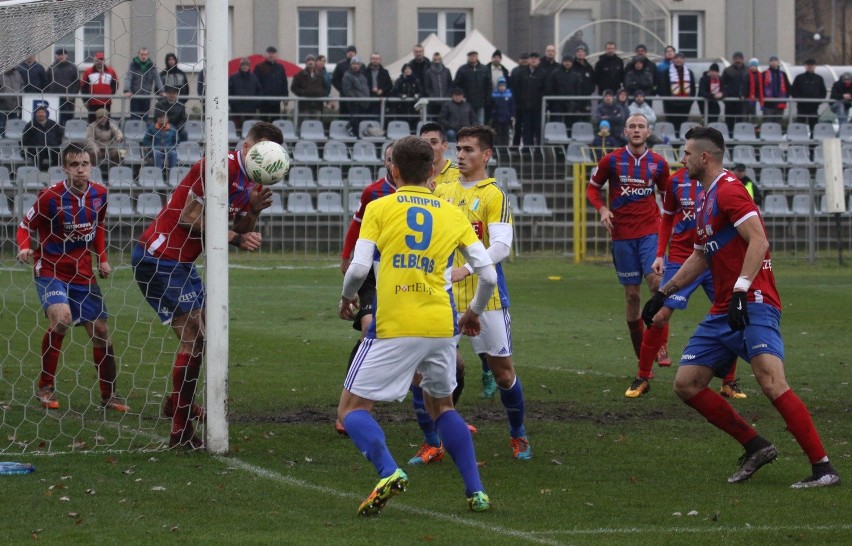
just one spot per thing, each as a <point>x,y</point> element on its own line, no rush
<point>9,468</point>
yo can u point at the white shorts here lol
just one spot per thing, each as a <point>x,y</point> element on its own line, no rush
<point>384,368</point>
<point>495,337</point>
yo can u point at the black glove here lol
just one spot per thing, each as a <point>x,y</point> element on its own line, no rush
<point>738,311</point>
<point>652,306</point>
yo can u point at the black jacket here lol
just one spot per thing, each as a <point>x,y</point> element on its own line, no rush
<point>529,87</point>
<point>384,81</point>
<point>475,81</point>
<point>808,86</point>
<point>609,73</point>
<point>272,79</point>
<point>733,81</point>
<point>243,84</point>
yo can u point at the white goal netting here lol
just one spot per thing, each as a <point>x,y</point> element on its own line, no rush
<point>139,185</point>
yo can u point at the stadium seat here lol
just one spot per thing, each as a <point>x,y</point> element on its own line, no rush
<point>507,179</point>
<point>15,129</point>
<point>772,155</point>
<point>119,205</point>
<point>583,132</point>
<point>329,202</point>
<point>287,129</point>
<point>771,132</point>
<point>189,153</point>
<point>120,178</point>
<point>578,153</point>
<point>75,130</point>
<point>177,174</point>
<point>194,131</point>
<point>246,127</point>
<point>722,127</point>
<point>799,155</point>
<point>277,206</point>
<point>330,178</point>
<point>771,178</point>
<point>845,132</point>
<point>97,175</point>
<point>802,205</point>
<point>55,174</point>
<point>535,204</point>
<point>359,178</point>
<point>134,154</point>
<point>301,177</point>
<point>338,130</point>
<point>149,204</point>
<point>151,178</point>
<point>335,152</point>
<point>299,202</point>
<point>666,129</point>
<point>818,156</point>
<point>312,129</point>
<point>233,137</point>
<point>819,178</point>
<point>685,127</point>
<point>744,154</point>
<point>6,179</point>
<point>11,154</point>
<point>846,154</point>
<point>849,206</point>
<point>383,172</point>
<point>798,133</point>
<point>847,178</point>
<point>823,205</point>
<point>514,205</point>
<point>799,178</point>
<point>776,205</point>
<point>398,129</point>
<point>5,209</point>
<point>667,152</point>
<point>365,152</point>
<point>354,202</point>
<point>367,127</point>
<point>306,153</point>
<point>555,132</point>
<point>23,203</point>
<point>30,178</point>
<point>744,133</point>
<point>823,130</point>
<point>134,130</point>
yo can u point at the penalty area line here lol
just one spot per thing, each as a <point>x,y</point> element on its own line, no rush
<point>746,528</point>
<point>397,505</point>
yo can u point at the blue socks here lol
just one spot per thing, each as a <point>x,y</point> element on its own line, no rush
<point>369,438</point>
<point>513,401</point>
<point>430,433</point>
<point>459,445</point>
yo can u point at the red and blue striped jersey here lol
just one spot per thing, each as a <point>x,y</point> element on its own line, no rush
<point>719,210</point>
<point>381,187</point>
<point>166,238</point>
<point>69,226</point>
<point>679,196</point>
<point>631,191</point>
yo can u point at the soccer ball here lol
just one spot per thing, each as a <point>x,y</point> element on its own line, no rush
<point>267,162</point>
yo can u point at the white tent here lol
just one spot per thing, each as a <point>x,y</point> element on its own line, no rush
<point>431,45</point>
<point>474,41</point>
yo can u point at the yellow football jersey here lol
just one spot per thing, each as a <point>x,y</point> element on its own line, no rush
<point>483,204</point>
<point>416,235</point>
<point>449,173</point>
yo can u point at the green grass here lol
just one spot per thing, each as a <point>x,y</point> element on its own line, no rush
<point>606,470</point>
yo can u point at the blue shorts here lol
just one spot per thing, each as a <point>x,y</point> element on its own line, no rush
<point>633,258</point>
<point>679,299</point>
<point>171,288</point>
<point>715,345</point>
<point>85,300</point>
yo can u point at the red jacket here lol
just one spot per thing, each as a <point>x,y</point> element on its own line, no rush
<point>100,85</point>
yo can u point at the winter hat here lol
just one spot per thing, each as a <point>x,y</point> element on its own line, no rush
<point>101,113</point>
<point>753,62</point>
<point>501,80</point>
<point>714,67</point>
<point>604,125</point>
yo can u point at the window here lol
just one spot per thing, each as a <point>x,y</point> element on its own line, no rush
<point>83,43</point>
<point>687,34</point>
<point>451,26</point>
<point>324,32</point>
<point>189,37</point>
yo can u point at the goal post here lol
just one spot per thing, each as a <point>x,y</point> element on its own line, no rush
<point>216,220</point>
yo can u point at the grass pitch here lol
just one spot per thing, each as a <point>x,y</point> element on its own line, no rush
<point>606,470</point>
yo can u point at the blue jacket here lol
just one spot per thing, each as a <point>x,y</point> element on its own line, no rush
<point>160,138</point>
<point>502,106</point>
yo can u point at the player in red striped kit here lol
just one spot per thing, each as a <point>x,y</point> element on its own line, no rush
<point>744,321</point>
<point>632,217</point>
<point>163,265</point>
<point>678,225</point>
<point>68,219</point>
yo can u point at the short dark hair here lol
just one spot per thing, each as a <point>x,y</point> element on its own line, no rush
<point>75,148</point>
<point>485,135</point>
<point>431,126</point>
<point>267,131</point>
<point>707,134</point>
<point>413,156</point>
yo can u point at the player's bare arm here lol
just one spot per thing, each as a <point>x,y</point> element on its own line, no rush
<point>658,266</point>
<point>752,231</point>
<point>261,198</point>
<point>25,255</point>
<point>192,216</point>
<point>689,271</point>
<point>607,218</point>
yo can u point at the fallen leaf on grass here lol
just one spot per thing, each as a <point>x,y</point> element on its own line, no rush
<point>73,514</point>
<point>692,513</point>
<point>90,491</point>
<point>64,499</point>
<point>557,462</point>
<point>158,488</point>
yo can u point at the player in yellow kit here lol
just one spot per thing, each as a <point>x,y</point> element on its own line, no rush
<point>445,170</point>
<point>414,325</point>
<point>487,209</point>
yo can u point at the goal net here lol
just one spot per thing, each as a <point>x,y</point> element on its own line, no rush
<point>139,162</point>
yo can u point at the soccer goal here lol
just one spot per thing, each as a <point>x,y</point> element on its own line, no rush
<point>94,34</point>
